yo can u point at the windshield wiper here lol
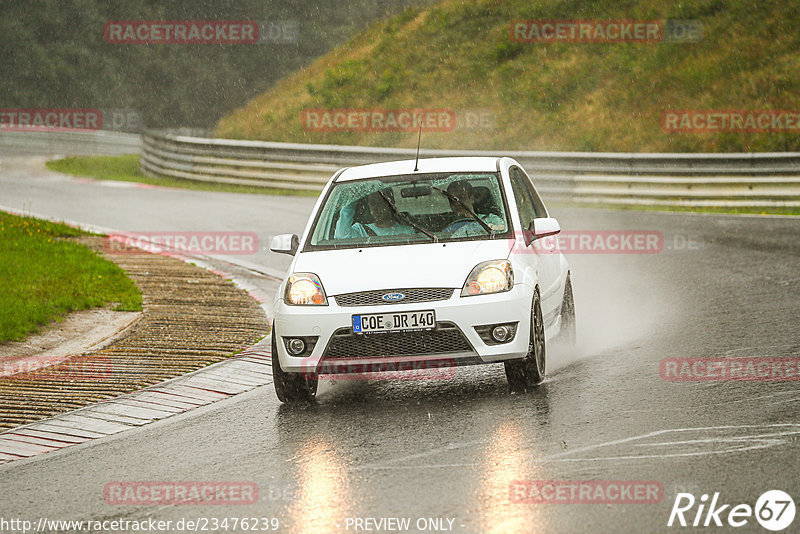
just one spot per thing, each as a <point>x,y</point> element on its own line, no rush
<point>405,219</point>
<point>469,210</point>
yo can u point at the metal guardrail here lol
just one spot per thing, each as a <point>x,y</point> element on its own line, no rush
<point>730,180</point>
<point>96,142</point>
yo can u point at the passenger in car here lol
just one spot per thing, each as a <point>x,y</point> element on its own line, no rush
<point>464,223</point>
<point>384,222</point>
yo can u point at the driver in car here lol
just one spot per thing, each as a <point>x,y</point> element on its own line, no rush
<point>462,202</point>
<point>384,219</point>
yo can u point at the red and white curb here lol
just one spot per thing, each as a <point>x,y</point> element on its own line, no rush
<point>245,371</point>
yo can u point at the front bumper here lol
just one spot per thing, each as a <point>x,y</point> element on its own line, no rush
<point>338,350</point>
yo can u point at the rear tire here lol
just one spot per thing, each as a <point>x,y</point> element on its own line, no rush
<point>526,374</point>
<point>290,387</point>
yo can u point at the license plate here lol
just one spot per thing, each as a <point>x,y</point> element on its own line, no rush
<point>394,322</point>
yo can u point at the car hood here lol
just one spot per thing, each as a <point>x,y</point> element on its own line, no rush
<point>396,267</point>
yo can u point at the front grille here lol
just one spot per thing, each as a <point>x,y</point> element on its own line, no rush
<point>444,339</point>
<point>374,298</point>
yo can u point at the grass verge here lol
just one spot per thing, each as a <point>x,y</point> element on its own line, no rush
<point>45,275</point>
<point>126,169</point>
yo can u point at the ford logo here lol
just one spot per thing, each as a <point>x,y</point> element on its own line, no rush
<point>393,297</point>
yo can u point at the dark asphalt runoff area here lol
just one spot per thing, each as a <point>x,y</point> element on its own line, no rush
<point>462,454</point>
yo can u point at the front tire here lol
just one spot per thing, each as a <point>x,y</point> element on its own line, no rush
<point>290,387</point>
<point>526,374</point>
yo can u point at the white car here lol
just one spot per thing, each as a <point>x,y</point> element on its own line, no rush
<point>407,265</point>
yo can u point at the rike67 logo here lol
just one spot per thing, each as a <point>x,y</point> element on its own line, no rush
<point>774,510</point>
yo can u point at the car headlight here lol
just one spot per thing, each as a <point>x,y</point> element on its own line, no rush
<point>305,289</point>
<point>493,276</point>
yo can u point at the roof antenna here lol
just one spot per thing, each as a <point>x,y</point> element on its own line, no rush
<point>416,163</point>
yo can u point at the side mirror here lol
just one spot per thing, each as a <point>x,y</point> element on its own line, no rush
<point>545,226</point>
<point>540,227</point>
<point>285,244</point>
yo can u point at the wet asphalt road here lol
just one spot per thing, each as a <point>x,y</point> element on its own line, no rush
<point>722,286</point>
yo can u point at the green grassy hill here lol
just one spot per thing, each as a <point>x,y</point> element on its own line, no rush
<point>562,96</point>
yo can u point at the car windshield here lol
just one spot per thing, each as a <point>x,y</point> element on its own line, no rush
<point>406,209</point>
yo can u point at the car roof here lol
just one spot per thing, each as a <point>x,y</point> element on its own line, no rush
<point>427,165</point>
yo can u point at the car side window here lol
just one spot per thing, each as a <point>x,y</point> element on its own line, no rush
<point>538,205</point>
<point>525,204</point>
